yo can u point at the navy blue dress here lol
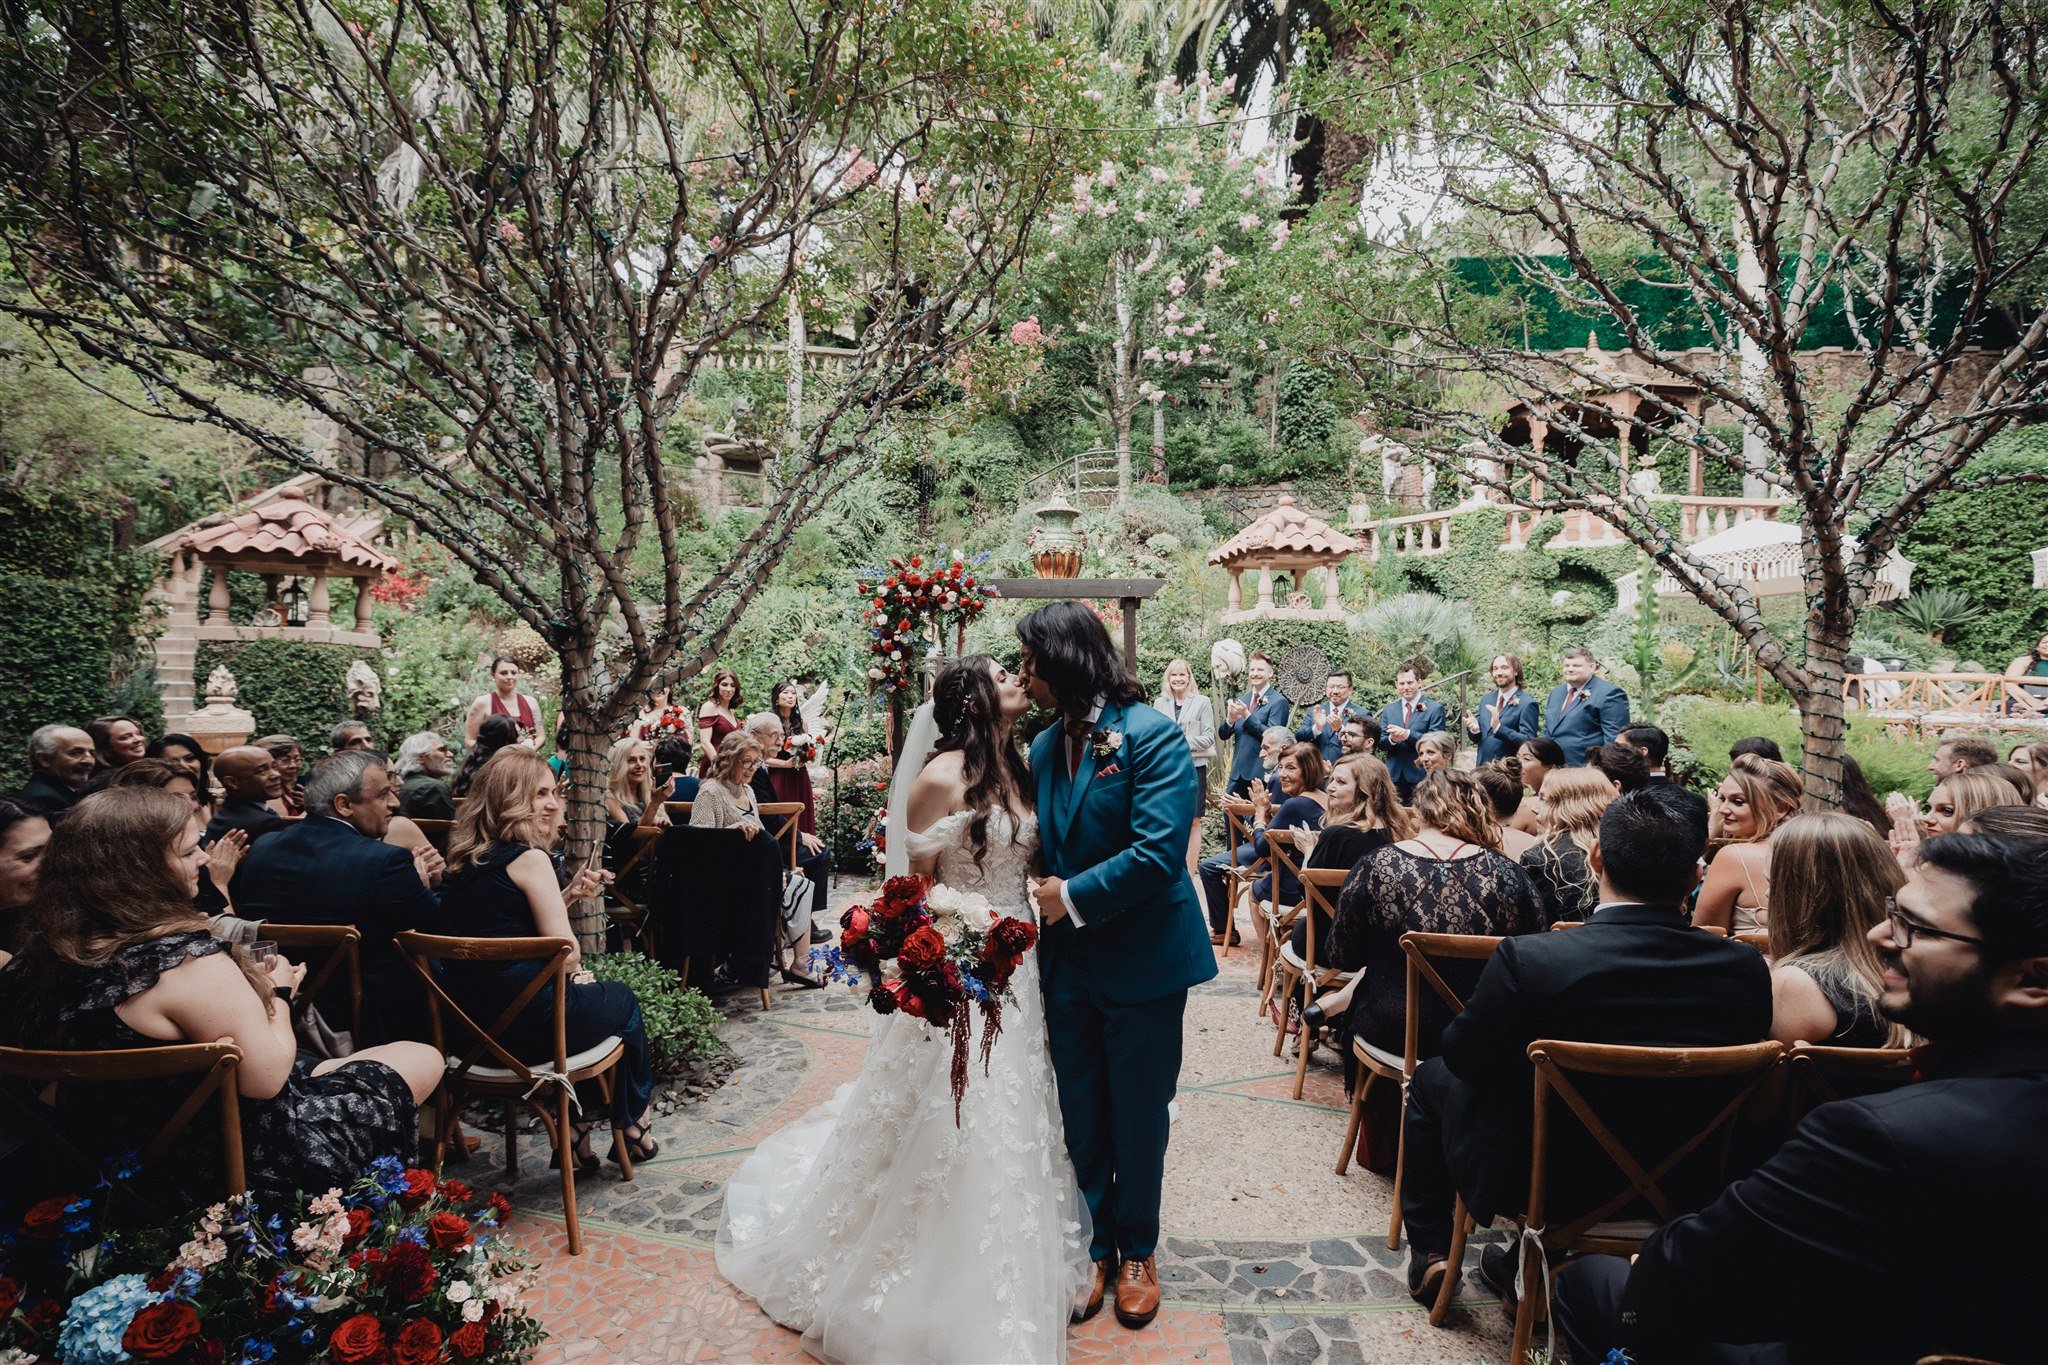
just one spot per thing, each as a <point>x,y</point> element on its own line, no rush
<point>482,901</point>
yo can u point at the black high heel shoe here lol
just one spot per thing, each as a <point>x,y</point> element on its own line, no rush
<point>640,1146</point>
<point>586,1162</point>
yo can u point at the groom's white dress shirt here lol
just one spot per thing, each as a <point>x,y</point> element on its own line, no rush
<point>1074,775</point>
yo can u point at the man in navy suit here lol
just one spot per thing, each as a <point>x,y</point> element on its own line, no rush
<point>1323,726</point>
<point>334,867</point>
<point>1584,709</point>
<point>1404,720</point>
<point>1507,715</point>
<point>1859,1224</point>
<point>1246,720</point>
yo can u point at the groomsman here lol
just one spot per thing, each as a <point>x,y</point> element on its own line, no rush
<point>1246,720</point>
<point>1404,720</point>
<point>1323,726</point>
<point>1584,709</point>
<point>1507,716</point>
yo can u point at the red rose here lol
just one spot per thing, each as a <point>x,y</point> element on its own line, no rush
<point>467,1341</point>
<point>44,1316</point>
<point>851,939</point>
<point>924,948</point>
<point>935,1009</point>
<point>406,1273</point>
<point>419,1187</point>
<point>43,1221</point>
<point>359,1224</point>
<point>10,1295</point>
<point>418,1343</point>
<point>856,919</point>
<point>157,1283</point>
<point>160,1331</point>
<point>448,1231</point>
<point>458,1192</point>
<point>359,1339</point>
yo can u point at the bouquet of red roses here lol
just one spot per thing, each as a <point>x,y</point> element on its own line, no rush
<point>906,600</point>
<point>803,748</point>
<point>933,953</point>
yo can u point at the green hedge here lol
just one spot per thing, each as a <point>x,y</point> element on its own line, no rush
<point>290,687</point>
<point>1977,544</point>
<point>682,1025</point>
<point>1704,729</point>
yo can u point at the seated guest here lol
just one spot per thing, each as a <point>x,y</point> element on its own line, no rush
<point>675,760</point>
<point>1540,757</point>
<point>1526,814</point>
<point>2028,822</point>
<point>491,736</point>
<point>334,867</point>
<point>812,859</point>
<point>1846,1221</point>
<point>24,834</point>
<point>2031,758</point>
<point>1961,795</point>
<point>1503,789</point>
<point>1622,764</point>
<point>184,750</point>
<point>223,855</point>
<point>501,884</point>
<point>725,800</point>
<point>1653,744</point>
<point>1299,776</point>
<point>1449,877</point>
<point>291,765</point>
<point>350,734</point>
<point>1436,752</point>
<point>1210,871</point>
<point>1758,745</point>
<point>1755,798</point>
<point>1860,801</point>
<point>1634,974</point>
<point>1361,736</point>
<point>116,957</point>
<point>60,760</point>
<point>424,764</point>
<point>631,797</point>
<point>2014,776</point>
<point>1832,880</point>
<point>1566,889</point>
<point>1365,813</point>
<point>118,741</point>
<point>249,777</point>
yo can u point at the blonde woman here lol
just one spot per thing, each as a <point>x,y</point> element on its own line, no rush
<point>1832,880</point>
<point>1566,889</point>
<point>2032,759</point>
<point>501,884</point>
<point>1365,813</point>
<point>631,797</point>
<point>1437,751</point>
<point>1182,703</point>
<point>1756,797</point>
<point>726,798</point>
<point>1961,795</point>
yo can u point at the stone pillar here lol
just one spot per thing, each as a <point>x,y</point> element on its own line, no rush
<point>1236,589</point>
<point>1333,594</point>
<point>317,606</point>
<point>1265,587</point>
<point>364,604</point>
<point>217,599</point>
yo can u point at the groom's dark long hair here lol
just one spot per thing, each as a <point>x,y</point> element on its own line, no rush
<point>1072,653</point>
<point>968,714</point>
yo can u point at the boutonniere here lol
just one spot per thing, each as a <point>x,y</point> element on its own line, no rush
<point>1103,743</point>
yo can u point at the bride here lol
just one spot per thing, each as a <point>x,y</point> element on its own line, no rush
<point>874,1225</point>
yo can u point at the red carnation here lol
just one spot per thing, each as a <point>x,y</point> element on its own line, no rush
<point>406,1273</point>
<point>448,1231</point>
<point>367,1258</point>
<point>10,1295</point>
<point>356,1340</point>
<point>160,1331</point>
<point>916,560</point>
<point>501,1207</point>
<point>458,1192</point>
<point>923,950</point>
<point>419,1187</point>
<point>467,1341</point>
<point>359,1224</point>
<point>418,1343</point>
<point>43,1221</point>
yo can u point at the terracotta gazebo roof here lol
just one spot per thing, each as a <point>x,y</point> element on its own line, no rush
<point>1286,531</point>
<point>288,528</point>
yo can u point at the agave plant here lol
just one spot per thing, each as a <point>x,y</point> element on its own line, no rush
<point>1934,612</point>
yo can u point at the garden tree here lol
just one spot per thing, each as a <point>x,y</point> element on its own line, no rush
<point>1693,181</point>
<point>493,244</point>
<point>1144,265</point>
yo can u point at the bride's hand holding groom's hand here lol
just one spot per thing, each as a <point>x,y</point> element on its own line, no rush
<point>1045,892</point>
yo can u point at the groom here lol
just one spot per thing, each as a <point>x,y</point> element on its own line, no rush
<point>1124,937</point>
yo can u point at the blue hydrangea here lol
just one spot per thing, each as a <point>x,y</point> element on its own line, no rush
<point>413,1237</point>
<point>97,1319</point>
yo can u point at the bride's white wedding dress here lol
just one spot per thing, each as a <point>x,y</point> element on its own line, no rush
<point>885,1234</point>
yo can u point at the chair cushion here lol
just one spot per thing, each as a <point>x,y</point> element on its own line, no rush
<point>1624,1229</point>
<point>1393,1060</point>
<point>1293,958</point>
<point>590,1056</point>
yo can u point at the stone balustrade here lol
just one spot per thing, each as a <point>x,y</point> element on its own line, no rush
<point>1583,528</point>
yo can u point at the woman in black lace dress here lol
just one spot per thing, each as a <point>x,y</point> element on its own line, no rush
<point>116,957</point>
<point>1365,814</point>
<point>1450,878</point>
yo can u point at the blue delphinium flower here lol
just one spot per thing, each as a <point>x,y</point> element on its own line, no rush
<point>388,1172</point>
<point>94,1324</point>
<point>257,1352</point>
<point>416,1237</point>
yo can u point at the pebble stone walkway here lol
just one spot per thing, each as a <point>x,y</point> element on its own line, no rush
<point>1268,1256</point>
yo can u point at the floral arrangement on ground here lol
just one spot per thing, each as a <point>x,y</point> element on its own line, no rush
<point>399,1269</point>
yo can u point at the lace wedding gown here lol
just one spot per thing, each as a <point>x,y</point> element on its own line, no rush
<point>885,1234</point>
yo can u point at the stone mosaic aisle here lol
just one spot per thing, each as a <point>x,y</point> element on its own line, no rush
<point>1268,1255</point>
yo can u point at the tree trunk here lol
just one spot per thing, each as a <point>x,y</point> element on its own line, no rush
<point>1121,402</point>
<point>584,745</point>
<point>1159,444</point>
<point>1822,723</point>
<point>795,355</point>
<point>1347,146</point>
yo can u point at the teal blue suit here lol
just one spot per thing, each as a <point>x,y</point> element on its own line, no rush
<point>1116,985</point>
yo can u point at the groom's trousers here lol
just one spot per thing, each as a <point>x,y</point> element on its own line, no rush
<point>1118,1067</point>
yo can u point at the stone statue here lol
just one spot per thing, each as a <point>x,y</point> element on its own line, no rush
<point>221,686</point>
<point>365,689</point>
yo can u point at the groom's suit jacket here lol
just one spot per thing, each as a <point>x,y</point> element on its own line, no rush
<point>1117,834</point>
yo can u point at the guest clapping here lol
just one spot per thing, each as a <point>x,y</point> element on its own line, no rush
<point>1299,775</point>
<point>1364,813</point>
<point>1184,704</point>
<point>1752,801</point>
<point>249,777</point>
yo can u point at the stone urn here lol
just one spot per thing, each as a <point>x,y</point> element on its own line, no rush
<point>220,725</point>
<point>1056,543</point>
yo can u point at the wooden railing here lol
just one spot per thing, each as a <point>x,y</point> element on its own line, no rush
<point>1584,528</point>
<point>1936,700</point>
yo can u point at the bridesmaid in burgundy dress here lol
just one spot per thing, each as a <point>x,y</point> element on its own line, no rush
<point>718,716</point>
<point>788,772</point>
<point>504,699</point>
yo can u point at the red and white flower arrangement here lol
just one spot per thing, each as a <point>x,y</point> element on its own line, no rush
<point>803,748</point>
<point>907,601</point>
<point>933,953</point>
<point>672,723</point>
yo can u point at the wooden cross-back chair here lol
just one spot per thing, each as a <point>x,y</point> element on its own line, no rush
<point>783,820</point>
<point>341,945</point>
<point>620,906</point>
<point>1747,1068</point>
<point>487,1069</point>
<point>26,1073</point>
<point>437,832</point>
<point>1279,921</point>
<point>1822,1075</point>
<point>1422,953</point>
<point>1301,979</point>
<point>1238,879</point>
<point>1758,939</point>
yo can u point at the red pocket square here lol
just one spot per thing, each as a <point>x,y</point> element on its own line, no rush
<point>1110,771</point>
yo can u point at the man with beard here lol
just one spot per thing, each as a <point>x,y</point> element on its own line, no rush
<point>1894,1226</point>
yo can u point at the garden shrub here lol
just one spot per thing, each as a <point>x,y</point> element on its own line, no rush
<point>1977,544</point>
<point>1705,728</point>
<point>682,1025</point>
<point>290,687</point>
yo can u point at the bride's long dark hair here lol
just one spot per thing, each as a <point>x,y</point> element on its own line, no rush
<point>968,712</point>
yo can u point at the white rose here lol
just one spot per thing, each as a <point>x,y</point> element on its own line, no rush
<point>460,1292</point>
<point>473,1311</point>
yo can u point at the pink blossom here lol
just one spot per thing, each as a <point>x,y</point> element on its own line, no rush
<point>1152,354</point>
<point>509,233</point>
<point>1205,348</point>
<point>1204,80</point>
<point>1171,330</point>
<point>1247,190</point>
<point>1159,176</point>
<point>1187,356</point>
<point>1192,196</point>
<point>1105,210</point>
<point>1176,286</point>
<point>1028,332</point>
<point>1169,86</point>
<point>1262,177</point>
<point>1281,232</point>
<point>1137,215</point>
<point>1229,85</point>
<point>860,173</point>
<point>1247,222</point>
<point>717,243</point>
<point>1294,300</point>
<point>1173,313</point>
<point>1107,175</point>
<point>1095,95</point>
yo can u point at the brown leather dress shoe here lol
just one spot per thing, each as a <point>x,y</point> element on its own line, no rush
<point>1089,1302</point>
<point>1137,1292</point>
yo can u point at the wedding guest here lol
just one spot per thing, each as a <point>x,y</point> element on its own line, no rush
<point>334,867</point>
<point>1190,710</point>
<point>291,766</point>
<point>24,834</point>
<point>1752,801</point>
<point>718,717</point>
<point>185,751</point>
<point>1566,889</point>
<point>1402,721</point>
<point>1585,709</point>
<point>424,763</point>
<point>223,855</point>
<point>1832,882</point>
<point>1364,814</point>
<point>2014,776</point>
<point>788,772</point>
<point>116,957</point>
<point>1504,795</point>
<point>2029,698</point>
<point>726,801</point>
<point>118,741</point>
<point>349,734</point>
<point>1859,800</point>
<point>61,760</point>
<point>1507,716</point>
<point>249,777</point>
<point>1540,757</point>
<point>1621,764</point>
<point>1526,816</point>
<point>1323,726</point>
<point>1959,752</point>
<point>501,883</point>
<point>674,762</point>
<point>1210,872</point>
<point>1653,744</point>
<point>2025,822</point>
<point>631,796</point>
<point>813,860</point>
<point>1448,877</point>
<point>1299,776</point>
<point>2031,757</point>
<point>496,733</point>
<point>1759,745</point>
<point>1436,752</point>
<point>660,702</point>
<point>1361,735</point>
<point>161,774</point>
<point>504,699</point>
<point>1961,795</point>
<point>1246,720</point>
